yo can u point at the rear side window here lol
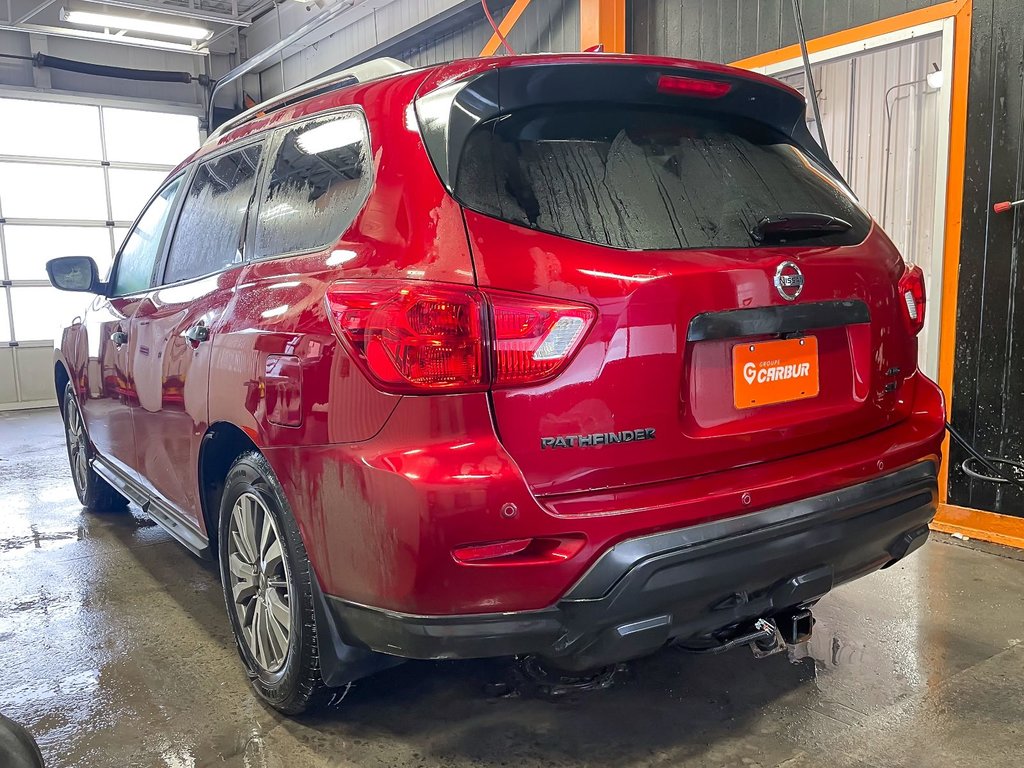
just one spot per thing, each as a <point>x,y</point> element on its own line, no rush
<point>645,178</point>
<point>317,183</point>
<point>211,227</point>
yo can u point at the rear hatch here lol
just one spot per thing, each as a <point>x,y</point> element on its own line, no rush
<point>729,331</point>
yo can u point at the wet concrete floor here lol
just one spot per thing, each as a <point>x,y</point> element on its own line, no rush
<point>116,651</point>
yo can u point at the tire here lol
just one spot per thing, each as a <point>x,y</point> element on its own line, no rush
<point>267,587</point>
<point>95,493</point>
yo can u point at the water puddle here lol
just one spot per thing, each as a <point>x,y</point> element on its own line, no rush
<point>38,539</point>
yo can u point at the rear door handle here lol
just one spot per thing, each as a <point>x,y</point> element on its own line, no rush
<point>198,333</point>
<point>117,338</point>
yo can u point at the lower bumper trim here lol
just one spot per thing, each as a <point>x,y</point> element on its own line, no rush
<point>681,584</point>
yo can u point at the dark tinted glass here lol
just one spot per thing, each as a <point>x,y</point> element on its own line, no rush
<point>211,228</point>
<point>642,178</point>
<point>137,260</point>
<point>316,185</point>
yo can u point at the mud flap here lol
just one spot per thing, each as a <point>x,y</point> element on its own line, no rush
<point>341,663</point>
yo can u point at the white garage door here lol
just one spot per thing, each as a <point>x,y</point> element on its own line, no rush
<point>73,177</point>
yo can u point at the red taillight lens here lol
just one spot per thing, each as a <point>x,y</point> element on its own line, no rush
<point>417,337</point>
<point>413,337</point>
<point>678,85</point>
<point>912,298</point>
<point>534,339</point>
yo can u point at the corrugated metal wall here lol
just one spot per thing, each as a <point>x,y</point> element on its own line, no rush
<point>728,30</point>
<point>988,379</point>
<point>364,27</point>
<point>546,25</point>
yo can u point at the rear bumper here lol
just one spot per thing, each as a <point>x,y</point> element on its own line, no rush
<point>680,584</point>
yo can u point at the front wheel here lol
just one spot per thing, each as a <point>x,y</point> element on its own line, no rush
<point>95,493</point>
<point>267,587</point>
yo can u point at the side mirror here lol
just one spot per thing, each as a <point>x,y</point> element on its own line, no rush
<point>74,273</point>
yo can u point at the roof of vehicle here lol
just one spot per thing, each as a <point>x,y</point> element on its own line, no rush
<point>379,71</point>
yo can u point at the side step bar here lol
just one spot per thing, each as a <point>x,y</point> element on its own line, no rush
<point>161,513</point>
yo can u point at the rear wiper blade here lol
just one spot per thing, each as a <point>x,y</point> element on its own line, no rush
<point>793,226</point>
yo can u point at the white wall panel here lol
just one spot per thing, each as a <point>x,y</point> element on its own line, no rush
<point>15,71</point>
<point>882,126</point>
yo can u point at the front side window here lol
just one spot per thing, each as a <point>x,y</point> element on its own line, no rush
<point>318,181</point>
<point>211,228</point>
<point>139,254</point>
<point>643,178</point>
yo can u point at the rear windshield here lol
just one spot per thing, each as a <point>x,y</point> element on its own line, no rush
<point>645,178</point>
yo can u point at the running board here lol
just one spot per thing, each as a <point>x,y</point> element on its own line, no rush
<point>158,510</point>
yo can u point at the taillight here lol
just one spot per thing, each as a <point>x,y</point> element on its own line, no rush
<point>419,337</point>
<point>412,337</point>
<point>533,339</point>
<point>912,297</point>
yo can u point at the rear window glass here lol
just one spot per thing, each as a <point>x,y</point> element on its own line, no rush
<point>318,181</point>
<point>645,178</point>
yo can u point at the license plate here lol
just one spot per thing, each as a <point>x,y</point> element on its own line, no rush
<point>769,372</point>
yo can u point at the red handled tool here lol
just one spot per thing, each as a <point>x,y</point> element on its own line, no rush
<point>1008,205</point>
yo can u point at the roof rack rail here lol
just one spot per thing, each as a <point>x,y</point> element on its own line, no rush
<point>360,73</point>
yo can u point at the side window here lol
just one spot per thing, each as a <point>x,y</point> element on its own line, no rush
<point>211,228</point>
<point>138,257</point>
<point>319,179</point>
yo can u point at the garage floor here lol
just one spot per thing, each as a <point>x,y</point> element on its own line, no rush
<point>116,652</point>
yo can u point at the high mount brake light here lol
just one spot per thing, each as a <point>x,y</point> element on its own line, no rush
<point>416,337</point>
<point>912,298</point>
<point>678,85</point>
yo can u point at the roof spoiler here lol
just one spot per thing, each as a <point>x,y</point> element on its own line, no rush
<point>448,114</point>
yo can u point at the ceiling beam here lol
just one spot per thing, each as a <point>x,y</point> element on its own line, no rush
<point>41,7</point>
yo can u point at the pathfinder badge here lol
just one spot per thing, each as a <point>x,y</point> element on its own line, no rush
<point>597,438</point>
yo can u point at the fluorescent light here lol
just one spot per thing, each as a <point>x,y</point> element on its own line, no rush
<point>936,79</point>
<point>340,132</point>
<point>108,21</point>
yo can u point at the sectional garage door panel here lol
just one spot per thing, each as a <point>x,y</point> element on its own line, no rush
<point>68,192</point>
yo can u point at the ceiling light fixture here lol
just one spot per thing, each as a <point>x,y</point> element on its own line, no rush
<point>109,21</point>
<point>935,78</point>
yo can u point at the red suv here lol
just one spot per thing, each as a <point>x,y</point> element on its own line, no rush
<point>566,355</point>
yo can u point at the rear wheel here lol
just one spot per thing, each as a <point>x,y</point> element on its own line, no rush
<point>268,588</point>
<point>95,493</point>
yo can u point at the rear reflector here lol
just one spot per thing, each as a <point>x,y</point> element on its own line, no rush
<point>521,551</point>
<point>480,552</point>
<point>419,337</point>
<point>678,85</point>
<point>912,295</point>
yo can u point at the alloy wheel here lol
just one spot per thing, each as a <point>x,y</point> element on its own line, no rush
<point>260,583</point>
<point>78,446</point>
